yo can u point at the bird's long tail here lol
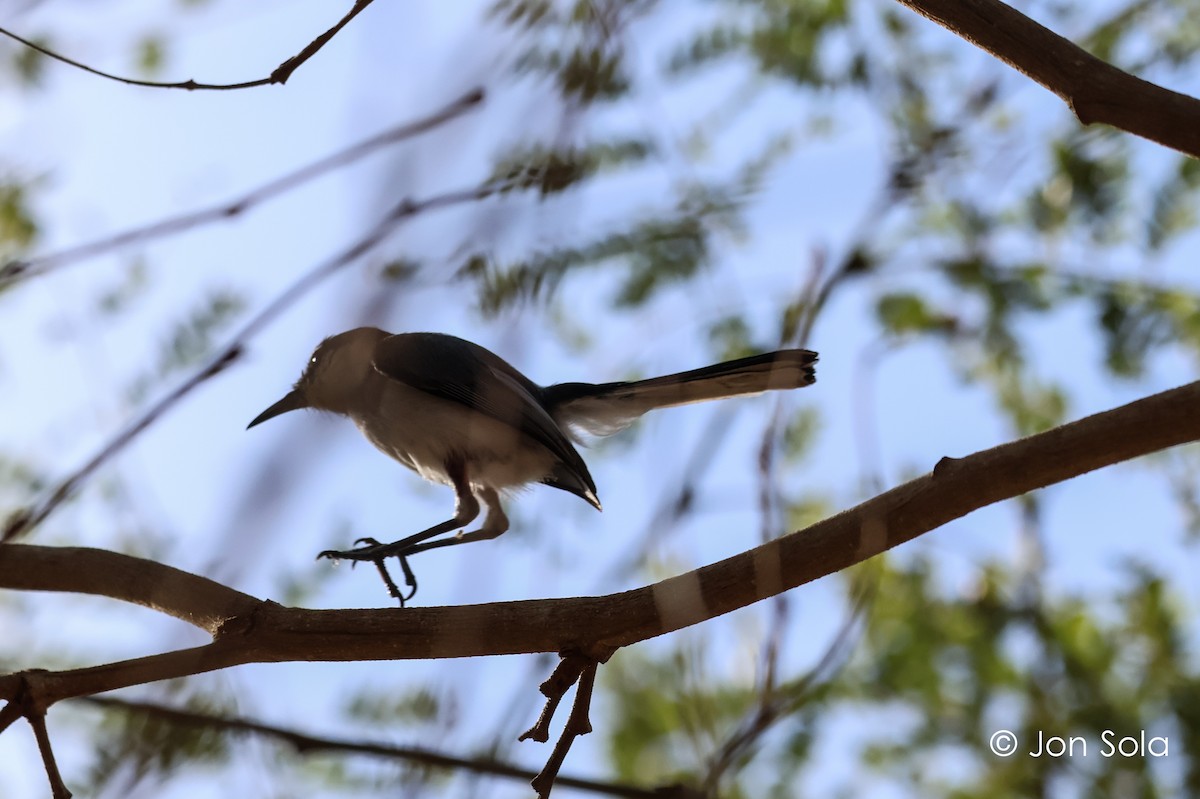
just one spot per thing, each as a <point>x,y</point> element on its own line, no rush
<point>602,409</point>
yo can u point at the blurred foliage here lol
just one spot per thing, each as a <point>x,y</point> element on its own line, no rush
<point>410,707</point>
<point>579,45</point>
<point>980,228</point>
<point>29,64</point>
<point>121,297</point>
<point>994,221</point>
<point>132,744</point>
<point>933,676</point>
<point>192,342</point>
<point>18,227</point>
<point>151,55</point>
<point>551,171</point>
<point>20,478</point>
<point>657,250</point>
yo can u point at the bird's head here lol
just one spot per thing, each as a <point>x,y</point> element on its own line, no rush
<point>334,375</point>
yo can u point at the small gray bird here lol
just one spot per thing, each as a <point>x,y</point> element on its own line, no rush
<point>457,414</point>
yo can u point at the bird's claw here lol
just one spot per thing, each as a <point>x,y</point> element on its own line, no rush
<point>374,551</point>
<point>377,553</point>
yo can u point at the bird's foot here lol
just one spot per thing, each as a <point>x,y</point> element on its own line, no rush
<point>373,551</point>
<point>376,553</point>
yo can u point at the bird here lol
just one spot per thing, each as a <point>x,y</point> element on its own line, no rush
<point>458,414</point>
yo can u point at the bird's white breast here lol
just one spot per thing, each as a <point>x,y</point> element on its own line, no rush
<point>424,432</point>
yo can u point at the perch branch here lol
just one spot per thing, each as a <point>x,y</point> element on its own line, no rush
<point>264,632</point>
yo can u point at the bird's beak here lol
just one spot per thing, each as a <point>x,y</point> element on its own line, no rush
<point>294,400</point>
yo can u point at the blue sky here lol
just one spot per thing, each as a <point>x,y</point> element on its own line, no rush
<point>201,493</point>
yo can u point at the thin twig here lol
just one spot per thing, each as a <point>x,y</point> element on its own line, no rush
<point>279,75</point>
<point>578,723</point>
<point>565,674</point>
<point>767,495</point>
<point>781,702</point>
<point>58,788</point>
<point>22,269</point>
<point>306,744</point>
<point>29,702</point>
<point>675,506</point>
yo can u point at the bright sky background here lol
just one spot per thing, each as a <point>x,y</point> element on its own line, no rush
<point>198,490</point>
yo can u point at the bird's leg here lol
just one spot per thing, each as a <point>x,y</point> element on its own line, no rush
<point>466,508</point>
<point>494,524</point>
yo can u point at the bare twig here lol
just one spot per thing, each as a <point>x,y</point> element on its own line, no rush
<point>279,75</point>
<point>58,788</point>
<point>866,433</point>
<point>22,269</point>
<point>674,506</point>
<point>767,493</point>
<point>306,744</point>
<point>26,519</point>
<point>565,674</point>
<point>578,723</point>
<point>777,703</point>
<point>27,701</point>
<point>1095,90</point>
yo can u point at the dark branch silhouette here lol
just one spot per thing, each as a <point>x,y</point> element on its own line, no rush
<point>279,75</point>
<point>23,269</point>
<point>305,744</point>
<point>578,723</point>
<point>1095,90</point>
<point>27,702</point>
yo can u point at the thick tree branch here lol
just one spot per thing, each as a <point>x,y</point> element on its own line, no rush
<point>279,75</point>
<point>197,600</point>
<point>262,631</point>
<point>23,269</point>
<point>1095,90</point>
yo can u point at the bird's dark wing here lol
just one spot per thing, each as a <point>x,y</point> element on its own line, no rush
<point>457,370</point>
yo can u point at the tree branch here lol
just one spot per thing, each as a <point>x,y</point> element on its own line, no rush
<point>28,701</point>
<point>279,75</point>
<point>22,269</point>
<point>262,631</point>
<point>578,723</point>
<point>306,744</point>
<point>1095,90</point>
